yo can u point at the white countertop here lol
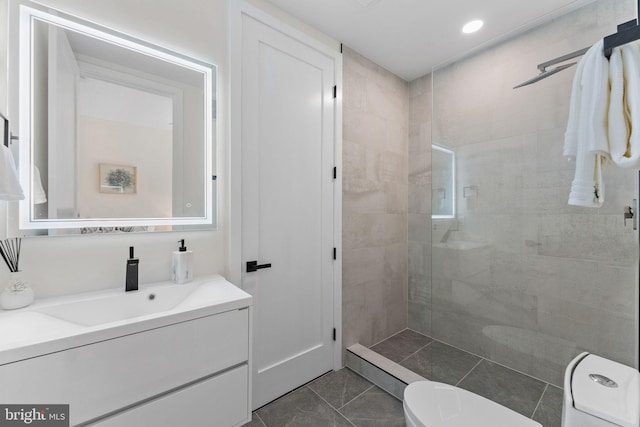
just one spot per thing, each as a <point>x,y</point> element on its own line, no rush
<point>31,332</point>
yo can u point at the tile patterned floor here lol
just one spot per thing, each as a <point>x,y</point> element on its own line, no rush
<point>343,398</point>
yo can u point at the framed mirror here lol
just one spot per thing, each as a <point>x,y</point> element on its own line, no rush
<point>443,182</point>
<point>115,133</point>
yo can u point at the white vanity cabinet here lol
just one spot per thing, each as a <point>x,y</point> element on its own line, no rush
<point>187,372</point>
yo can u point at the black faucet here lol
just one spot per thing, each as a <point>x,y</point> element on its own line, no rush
<point>131,282</point>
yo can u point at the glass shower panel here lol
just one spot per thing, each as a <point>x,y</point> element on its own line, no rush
<point>517,275</point>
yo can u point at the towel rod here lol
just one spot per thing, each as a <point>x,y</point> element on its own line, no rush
<point>627,32</point>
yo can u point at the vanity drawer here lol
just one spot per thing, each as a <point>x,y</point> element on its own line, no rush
<point>106,376</point>
<point>218,401</point>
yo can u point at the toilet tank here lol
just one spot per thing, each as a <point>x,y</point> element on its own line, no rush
<point>600,393</point>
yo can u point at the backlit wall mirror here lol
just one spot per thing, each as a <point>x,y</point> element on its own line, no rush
<point>115,133</point>
<point>443,182</point>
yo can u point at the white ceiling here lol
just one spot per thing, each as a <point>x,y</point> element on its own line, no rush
<point>409,37</point>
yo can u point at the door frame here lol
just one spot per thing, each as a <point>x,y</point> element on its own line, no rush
<point>273,17</point>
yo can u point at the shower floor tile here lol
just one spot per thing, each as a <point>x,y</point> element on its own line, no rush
<point>438,361</point>
<point>401,345</point>
<point>441,362</point>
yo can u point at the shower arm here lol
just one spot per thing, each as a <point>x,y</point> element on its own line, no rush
<point>627,32</point>
<point>543,67</point>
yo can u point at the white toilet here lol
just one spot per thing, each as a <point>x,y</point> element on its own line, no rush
<point>600,393</point>
<point>433,404</point>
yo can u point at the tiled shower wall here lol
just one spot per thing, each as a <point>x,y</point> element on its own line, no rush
<point>523,279</point>
<point>376,111</point>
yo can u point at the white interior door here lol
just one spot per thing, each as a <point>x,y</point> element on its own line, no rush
<point>287,207</point>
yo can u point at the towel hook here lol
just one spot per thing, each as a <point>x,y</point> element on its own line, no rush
<point>6,130</point>
<point>8,137</point>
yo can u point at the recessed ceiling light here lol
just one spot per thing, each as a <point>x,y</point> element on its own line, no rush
<point>472,27</point>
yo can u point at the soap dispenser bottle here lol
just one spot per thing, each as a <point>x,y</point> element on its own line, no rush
<point>182,266</point>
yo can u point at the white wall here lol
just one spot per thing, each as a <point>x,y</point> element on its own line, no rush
<point>62,265</point>
<point>119,143</point>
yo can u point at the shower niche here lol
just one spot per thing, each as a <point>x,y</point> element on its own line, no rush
<point>443,195</point>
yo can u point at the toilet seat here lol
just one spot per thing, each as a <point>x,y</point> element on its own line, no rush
<point>433,404</point>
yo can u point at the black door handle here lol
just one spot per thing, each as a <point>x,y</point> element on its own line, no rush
<point>253,266</point>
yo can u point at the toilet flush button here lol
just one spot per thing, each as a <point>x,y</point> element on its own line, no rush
<point>602,380</point>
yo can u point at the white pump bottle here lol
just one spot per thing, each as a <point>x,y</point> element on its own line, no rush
<point>182,265</point>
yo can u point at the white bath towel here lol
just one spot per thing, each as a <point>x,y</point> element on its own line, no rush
<point>38,196</point>
<point>571,134</point>
<point>624,106</point>
<point>586,135</point>
<point>10,188</point>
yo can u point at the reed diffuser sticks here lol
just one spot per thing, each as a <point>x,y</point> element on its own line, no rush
<point>10,251</point>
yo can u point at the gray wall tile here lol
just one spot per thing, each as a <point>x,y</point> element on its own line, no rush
<point>375,201</point>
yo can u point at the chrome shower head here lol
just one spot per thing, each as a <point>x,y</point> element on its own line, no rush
<point>545,74</point>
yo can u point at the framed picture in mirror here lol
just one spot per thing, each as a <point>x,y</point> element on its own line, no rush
<point>117,179</point>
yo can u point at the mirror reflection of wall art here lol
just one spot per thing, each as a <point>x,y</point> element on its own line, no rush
<point>118,179</point>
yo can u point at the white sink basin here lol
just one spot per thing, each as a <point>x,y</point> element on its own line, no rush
<point>120,306</point>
